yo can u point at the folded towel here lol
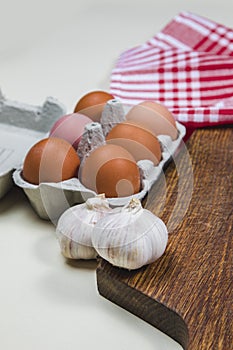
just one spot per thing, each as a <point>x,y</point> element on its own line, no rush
<point>188,67</point>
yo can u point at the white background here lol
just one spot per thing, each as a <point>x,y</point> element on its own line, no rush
<point>65,49</point>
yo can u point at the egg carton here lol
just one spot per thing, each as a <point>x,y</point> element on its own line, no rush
<point>50,200</point>
<point>21,125</point>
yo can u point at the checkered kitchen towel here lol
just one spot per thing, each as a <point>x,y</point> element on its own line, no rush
<point>188,67</point>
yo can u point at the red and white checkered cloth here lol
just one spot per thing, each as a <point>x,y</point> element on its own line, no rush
<point>188,67</point>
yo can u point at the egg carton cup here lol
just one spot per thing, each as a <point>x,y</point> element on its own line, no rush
<point>50,200</point>
<point>21,125</point>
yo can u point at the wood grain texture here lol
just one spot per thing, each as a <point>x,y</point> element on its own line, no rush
<point>187,293</point>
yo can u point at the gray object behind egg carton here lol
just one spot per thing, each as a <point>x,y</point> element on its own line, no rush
<point>40,118</point>
<point>17,116</point>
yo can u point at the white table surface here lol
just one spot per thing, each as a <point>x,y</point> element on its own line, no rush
<point>65,49</point>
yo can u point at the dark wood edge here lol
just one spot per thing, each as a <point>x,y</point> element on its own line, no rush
<point>155,313</point>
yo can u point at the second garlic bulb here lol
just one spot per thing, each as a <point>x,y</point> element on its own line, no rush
<point>130,237</point>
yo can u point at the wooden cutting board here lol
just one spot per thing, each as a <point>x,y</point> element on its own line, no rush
<point>187,293</point>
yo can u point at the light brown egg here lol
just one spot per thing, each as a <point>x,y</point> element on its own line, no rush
<point>112,170</point>
<point>140,142</point>
<point>155,117</point>
<point>92,104</point>
<point>50,160</point>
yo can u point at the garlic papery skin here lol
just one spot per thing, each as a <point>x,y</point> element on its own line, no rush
<point>131,237</point>
<point>75,227</point>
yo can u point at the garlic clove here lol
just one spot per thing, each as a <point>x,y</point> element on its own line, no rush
<point>75,226</point>
<point>73,250</point>
<point>131,237</point>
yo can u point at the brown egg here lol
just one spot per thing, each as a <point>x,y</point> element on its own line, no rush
<point>155,117</point>
<point>92,104</point>
<point>112,170</point>
<point>140,142</point>
<point>50,160</point>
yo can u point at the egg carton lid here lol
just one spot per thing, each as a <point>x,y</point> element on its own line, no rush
<point>50,200</point>
<point>21,126</point>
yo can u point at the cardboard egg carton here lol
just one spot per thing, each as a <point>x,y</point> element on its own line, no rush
<point>21,125</point>
<point>50,200</point>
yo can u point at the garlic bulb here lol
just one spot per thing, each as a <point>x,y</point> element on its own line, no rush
<point>130,237</point>
<point>75,226</point>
